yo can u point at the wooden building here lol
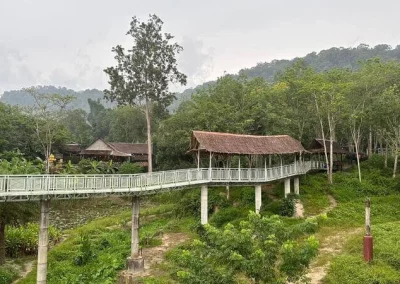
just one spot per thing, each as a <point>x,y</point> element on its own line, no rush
<point>118,152</point>
<point>317,149</point>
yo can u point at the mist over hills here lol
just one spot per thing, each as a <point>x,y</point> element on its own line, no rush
<point>24,99</point>
<point>335,57</point>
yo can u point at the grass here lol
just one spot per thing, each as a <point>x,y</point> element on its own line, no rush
<point>106,249</point>
<point>341,233</point>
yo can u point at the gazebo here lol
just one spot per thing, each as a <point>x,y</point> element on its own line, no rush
<point>317,149</point>
<point>257,149</point>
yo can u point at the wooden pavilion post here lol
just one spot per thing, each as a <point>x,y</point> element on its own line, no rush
<point>198,159</point>
<point>281,166</point>
<point>239,168</point>
<point>270,161</point>
<point>209,169</point>
<point>265,168</point>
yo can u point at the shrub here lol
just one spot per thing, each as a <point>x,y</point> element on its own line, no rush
<point>23,240</point>
<point>227,215</point>
<point>7,274</point>
<point>271,207</point>
<point>130,168</point>
<point>288,206</point>
<point>86,253</point>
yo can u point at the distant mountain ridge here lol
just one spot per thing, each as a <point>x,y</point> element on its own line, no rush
<point>335,57</point>
<point>22,98</point>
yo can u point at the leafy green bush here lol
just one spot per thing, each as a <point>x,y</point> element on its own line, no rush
<point>23,240</point>
<point>273,207</point>
<point>288,206</point>
<point>130,168</point>
<point>253,248</point>
<point>226,215</point>
<point>86,253</point>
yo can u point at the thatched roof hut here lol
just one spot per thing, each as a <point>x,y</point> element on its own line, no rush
<point>242,144</point>
<point>317,147</point>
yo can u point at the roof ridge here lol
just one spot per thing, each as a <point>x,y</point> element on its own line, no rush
<point>239,134</point>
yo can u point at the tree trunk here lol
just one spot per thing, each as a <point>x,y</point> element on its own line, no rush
<point>395,159</point>
<point>149,142</point>
<point>386,155</point>
<point>370,142</point>
<point>358,160</point>
<point>2,242</point>
<point>330,172</point>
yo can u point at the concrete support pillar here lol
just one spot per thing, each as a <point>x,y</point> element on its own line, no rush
<point>258,198</point>
<point>296,185</point>
<point>135,262</point>
<point>204,204</point>
<point>287,186</point>
<point>43,242</point>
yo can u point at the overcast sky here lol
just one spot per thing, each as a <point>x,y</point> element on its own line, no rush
<point>68,43</point>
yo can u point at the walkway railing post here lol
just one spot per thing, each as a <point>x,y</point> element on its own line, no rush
<point>43,242</point>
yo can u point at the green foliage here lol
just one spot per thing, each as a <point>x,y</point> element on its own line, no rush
<point>189,203</point>
<point>253,248</point>
<point>288,206</point>
<point>23,240</point>
<point>385,268</point>
<point>227,215</point>
<point>130,168</point>
<point>94,253</point>
<point>86,253</point>
<point>8,274</point>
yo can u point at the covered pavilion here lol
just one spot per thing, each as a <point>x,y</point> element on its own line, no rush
<point>220,147</point>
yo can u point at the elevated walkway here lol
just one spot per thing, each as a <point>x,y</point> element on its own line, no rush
<point>36,187</point>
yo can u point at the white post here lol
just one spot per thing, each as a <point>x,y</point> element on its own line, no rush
<point>270,161</point>
<point>210,171</point>
<point>258,198</point>
<point>265,168</point>
<point>295,167</point>
<point>204,204</point>
<point>135,261</point>
<point>198,159</point>
<point>281,167</point>
<point>43,242</point>
<point>287,186</point>
<point>239,167</point>
<point>297,185</point>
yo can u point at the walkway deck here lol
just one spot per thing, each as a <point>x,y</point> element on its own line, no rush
<point>36,187</point>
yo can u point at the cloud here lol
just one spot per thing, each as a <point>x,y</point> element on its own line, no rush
<point>14,70</point>
<point>195,61</point>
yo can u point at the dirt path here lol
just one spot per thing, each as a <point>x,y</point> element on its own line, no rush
<point>28,266</point>
<point>331,244</point>
<point>154,256</point>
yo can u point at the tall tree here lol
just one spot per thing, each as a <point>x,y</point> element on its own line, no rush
<point>144,72</point>
<point>48,113</point>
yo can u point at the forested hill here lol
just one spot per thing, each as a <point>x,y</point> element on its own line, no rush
<point>327,59</point>
<point>324,60</point>
<point>22,98</point>
<point>335,57</point>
